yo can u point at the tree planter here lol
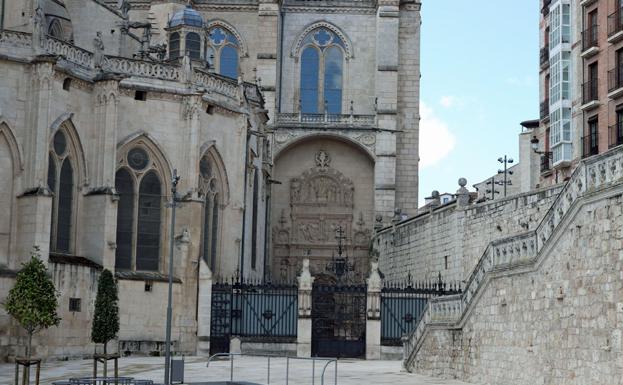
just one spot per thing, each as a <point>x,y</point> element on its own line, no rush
<point>104,358</point>
<point>27,363</point>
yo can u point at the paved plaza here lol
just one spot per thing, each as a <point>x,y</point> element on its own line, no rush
<point>253,369</point>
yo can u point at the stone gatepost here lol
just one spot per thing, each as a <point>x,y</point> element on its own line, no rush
<point>304,330</point>
<point>373,319</point>
<point>204,309</point>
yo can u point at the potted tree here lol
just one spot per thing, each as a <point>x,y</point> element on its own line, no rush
<point>105,319</point>
<point>33,302</point>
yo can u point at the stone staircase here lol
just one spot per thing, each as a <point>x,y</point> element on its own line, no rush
<point>520,253</point>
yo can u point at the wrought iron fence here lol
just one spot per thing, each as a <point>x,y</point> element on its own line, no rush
<point>403,304</point>
<point>264,312</point>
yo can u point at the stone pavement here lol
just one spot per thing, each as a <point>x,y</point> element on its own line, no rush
<point>253,369</point>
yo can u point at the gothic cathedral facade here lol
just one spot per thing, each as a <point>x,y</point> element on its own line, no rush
<point>291,123</point>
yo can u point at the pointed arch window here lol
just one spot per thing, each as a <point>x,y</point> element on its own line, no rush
<point>256,197</point>
<point>210,188</point>
<point>322,67</point>
<point>61,184</point>
<point>139,213</point>
<point>223,52</point>
<point>55,29</point>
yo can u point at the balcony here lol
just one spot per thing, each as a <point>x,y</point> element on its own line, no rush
<point>340,120</point>
<point>545,109</point>
<point>615,83</point>
<point>590,41</point>
<point>615,27</point>
<point>590,144</point>
<point>590,95</point>
<point>544,56</point>
<point>615,135</point>
<point>546,163</point>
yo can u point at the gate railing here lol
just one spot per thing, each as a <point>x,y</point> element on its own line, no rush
<point>403,304</point>
<point>263,312</point>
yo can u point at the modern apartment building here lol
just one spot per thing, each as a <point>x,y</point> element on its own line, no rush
<point>581,78</point>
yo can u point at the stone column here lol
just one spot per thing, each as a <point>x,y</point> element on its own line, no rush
<point>204,309</point>
<point>34,205</point>
<point>268,30</point>
<point>304,333</point>
<point>100,203</point>
<point>373,319</point>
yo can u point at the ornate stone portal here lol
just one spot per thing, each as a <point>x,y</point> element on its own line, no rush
<point>321,200</point>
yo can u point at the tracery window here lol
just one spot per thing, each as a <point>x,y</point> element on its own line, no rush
<point>61,184</point>
<point>223,51</point>
<point>210,188</point>
<point>322,63</point>
<point>193,45</point>
<point>256,195</point>
<point>174,45</point>
<point>139,213</point>
<point>55,30</point>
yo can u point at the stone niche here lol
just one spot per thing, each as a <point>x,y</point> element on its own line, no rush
<point>326,184</point>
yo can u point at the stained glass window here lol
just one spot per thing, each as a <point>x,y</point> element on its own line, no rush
<point>65,203</point>
<point>148,228</point>
<point>309,80</point>
<point>322,64</point>
<point>61,183</point>
<point>125,219</point>
<point>223,51</point>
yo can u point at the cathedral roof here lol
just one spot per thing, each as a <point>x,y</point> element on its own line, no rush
<point>186,16</point>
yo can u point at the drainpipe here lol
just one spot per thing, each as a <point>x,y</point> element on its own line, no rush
<point>2,17</point>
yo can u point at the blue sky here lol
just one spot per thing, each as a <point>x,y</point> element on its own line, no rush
<point>479,81</point>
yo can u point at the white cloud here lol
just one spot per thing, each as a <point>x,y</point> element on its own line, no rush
<point>448,101</point>
<point>436,140</point>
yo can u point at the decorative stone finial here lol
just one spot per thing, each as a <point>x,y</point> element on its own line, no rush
<point>462,194</point>
<point>305,278</point>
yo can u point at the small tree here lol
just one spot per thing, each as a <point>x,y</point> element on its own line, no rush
<point>106,317</point>
<point>33,299</point>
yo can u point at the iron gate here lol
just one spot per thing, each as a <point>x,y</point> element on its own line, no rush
<point>402,306</point>
<point>339,321</point>
<point>254,311</point>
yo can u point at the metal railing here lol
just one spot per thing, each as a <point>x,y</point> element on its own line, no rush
<point>544,109</point>
<point>544,56</point>
<point>326,361</point>
<point>590,144</point>
<point>590,91</point>
<point>590,37</point>
<point>615,78</point>
<point>615,23</point>
<point>546,163</point>
<point>615,135</point>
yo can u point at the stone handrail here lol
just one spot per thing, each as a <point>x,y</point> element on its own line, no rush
<point>141,68</point>
<point>69,51</point>
<point>15,38</point>
<point>333,119</point>
<point>591,174</point>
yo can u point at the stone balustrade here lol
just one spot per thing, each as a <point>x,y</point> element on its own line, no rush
<point>15,39</point>
<point>332,119</point>
<point>592,174</point>
<point>141,68</point>
<point>133,67</point>
<point>68,51</point>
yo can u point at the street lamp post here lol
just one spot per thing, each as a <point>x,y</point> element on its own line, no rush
<point>506,161</point>
<point>167,346</point>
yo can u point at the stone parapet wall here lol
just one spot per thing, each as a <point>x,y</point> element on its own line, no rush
<point>549,299</point>
<point>449,240</point>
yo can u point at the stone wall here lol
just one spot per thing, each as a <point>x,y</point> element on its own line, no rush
<point>451,239</point>
<point>560,324</point>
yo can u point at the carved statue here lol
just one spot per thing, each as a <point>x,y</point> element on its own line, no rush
<point>295,190</point>
<point>39,22</point>
<point>98,53</point>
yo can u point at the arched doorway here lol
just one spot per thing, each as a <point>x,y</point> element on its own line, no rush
<point>327,183</point>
